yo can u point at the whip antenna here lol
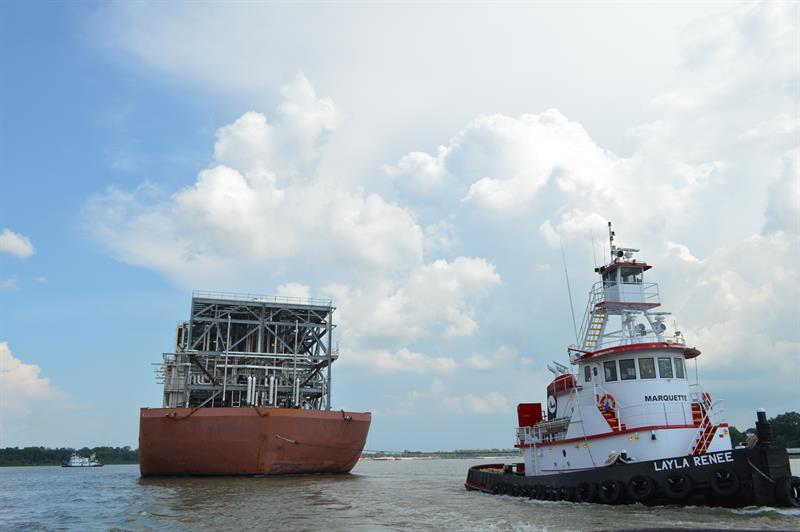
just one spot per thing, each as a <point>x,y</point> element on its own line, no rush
<point>569,292</point>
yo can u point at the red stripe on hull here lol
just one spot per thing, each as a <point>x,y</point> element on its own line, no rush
<point>249,441</point>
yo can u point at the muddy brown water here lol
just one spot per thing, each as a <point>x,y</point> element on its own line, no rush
<point>393,495</point>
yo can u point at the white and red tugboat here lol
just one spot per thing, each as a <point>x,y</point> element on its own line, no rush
<point>627,425</point>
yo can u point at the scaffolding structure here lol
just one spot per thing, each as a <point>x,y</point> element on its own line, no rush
<point>245,350</point>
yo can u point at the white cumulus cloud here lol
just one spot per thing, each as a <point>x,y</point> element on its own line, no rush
<point>436,299</point>
<point>259,207</point>
<point>492,402</point>
<point>15,244</point>
<point>504,355</point>
<point>262,212</point>
<point>20,384</point>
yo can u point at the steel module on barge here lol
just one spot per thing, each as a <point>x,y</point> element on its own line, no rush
<point>627,426</point>
<point>247,391</point>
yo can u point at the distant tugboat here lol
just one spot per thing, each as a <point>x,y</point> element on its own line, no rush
<point>628,426</point>
<point>80,461</point>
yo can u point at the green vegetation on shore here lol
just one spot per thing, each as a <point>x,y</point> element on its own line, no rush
<point>42,456</point>
<point>785,431</point>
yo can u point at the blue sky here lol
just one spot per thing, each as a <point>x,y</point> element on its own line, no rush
<point>418,164</point>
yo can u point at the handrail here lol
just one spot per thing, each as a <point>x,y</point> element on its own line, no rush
<point>256,298</point>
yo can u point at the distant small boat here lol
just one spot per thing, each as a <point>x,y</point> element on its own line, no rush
<point>79,461</point>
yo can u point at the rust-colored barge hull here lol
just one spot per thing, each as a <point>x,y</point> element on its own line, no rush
<point>249,441</point>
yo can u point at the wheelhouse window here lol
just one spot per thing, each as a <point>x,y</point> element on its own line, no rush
<point>627,369</point>
<point>665,368</point>
<point>680,371</point>
<point>631,275</point>
<point>610,369</point>
<point>610,278</point>
<point>647,368</point>
<point>587,374</point>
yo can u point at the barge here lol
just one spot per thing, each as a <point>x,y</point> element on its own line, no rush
<point>247,391</point>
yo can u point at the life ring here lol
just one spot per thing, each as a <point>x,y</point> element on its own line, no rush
<point>611,492</point>
<point>787,491</point>
<point>607,403</point>
<point>641,488</point>
<point>725,482</point>
<point>586,492</point>
<point>678,486</point>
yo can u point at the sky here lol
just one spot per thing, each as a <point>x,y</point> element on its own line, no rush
<point>422,165</point>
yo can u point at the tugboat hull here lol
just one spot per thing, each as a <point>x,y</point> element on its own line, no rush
<point>758,476</point>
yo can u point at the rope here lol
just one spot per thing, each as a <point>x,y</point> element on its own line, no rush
<point>759,471</point>
<point>296,442</point>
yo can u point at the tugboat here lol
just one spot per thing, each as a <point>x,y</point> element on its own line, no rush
<point>77,460</point>
<point>626,425</point>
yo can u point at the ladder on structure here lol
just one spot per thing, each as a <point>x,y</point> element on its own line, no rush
<point>706,429</point>
<point>597,322</point>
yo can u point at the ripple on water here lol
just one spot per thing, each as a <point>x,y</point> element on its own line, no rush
<point>413,495</point>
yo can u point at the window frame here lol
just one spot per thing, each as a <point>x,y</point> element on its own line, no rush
<point>638,276</point>
<point>671,369</point>
<point>653,367</point>
<point>612,364</point>
<point>678,362</point>
<point>587,373</point>
<point>622,376</point>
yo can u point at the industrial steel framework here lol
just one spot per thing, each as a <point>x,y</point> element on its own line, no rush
<point>246,350</point>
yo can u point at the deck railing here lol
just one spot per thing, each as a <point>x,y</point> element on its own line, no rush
<point>256,298</point>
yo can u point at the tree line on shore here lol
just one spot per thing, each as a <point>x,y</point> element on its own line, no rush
<point>42,456</point>
<point>785,430</point>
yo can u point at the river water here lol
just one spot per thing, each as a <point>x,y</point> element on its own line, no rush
<point>394,495</point>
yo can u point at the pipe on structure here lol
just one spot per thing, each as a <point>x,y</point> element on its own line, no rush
<point>272,390</point>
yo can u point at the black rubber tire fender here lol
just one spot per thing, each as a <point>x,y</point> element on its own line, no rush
<point>677,486</point>
<point>586,492</point>
<point>501,489</point>
<point>514,491</point>
<point>565,493</point>
<point>787,491</point>
<point>725,482</point>
<point>611,491</point>
<point>641,488</point>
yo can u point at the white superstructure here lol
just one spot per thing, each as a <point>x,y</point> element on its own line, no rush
<point>629,396</point>
<point>81,461</point>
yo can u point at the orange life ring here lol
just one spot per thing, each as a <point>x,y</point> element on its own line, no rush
<point>607,400</point>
